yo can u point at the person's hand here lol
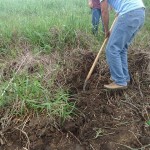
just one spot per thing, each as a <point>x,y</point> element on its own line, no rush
<point>90,3</point>
<point>107,34</point>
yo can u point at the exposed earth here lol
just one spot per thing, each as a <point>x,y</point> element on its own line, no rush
<point>103,120</point>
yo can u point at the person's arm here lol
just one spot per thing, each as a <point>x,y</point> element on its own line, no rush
<point>105,16</point>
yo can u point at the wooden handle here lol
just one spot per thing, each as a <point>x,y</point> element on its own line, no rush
<point>96,59</point>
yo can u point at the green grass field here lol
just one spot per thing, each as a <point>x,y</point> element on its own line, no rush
<point>33,19</point>
<point>41,27</point>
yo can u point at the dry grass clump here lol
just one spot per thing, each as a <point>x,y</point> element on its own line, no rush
<point>30,64</point>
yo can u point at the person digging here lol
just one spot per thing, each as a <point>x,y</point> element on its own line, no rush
<point>130,18</point>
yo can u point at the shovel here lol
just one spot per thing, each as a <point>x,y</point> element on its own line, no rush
<point>96,59</point>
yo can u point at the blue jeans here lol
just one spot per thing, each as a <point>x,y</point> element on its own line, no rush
<point>123,32</point>
<point>96,15</point>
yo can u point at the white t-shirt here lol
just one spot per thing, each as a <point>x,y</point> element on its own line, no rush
<point>123,6</point>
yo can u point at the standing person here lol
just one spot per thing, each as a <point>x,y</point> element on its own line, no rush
<point>96,15</point>
<point>130,18</point>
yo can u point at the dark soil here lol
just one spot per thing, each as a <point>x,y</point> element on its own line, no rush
<point>103,120</point>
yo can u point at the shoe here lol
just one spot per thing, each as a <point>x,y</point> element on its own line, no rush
<point>114,86</point>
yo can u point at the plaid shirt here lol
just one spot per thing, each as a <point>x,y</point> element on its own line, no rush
<point>96,3</point>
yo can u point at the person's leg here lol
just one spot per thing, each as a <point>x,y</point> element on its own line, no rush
<point>124,59</point>
<point>95,20</point>
<point>122,34</point>
<point>135,30</point>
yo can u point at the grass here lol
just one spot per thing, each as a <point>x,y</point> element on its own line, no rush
<point>33,19</point>
<point>41,28</point>
<point>142,39</point>
<point>30,93</point>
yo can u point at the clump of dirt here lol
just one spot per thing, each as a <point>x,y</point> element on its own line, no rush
<point>103,120</point>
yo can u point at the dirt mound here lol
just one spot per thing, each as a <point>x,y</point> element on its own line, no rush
<point>103,120</point>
